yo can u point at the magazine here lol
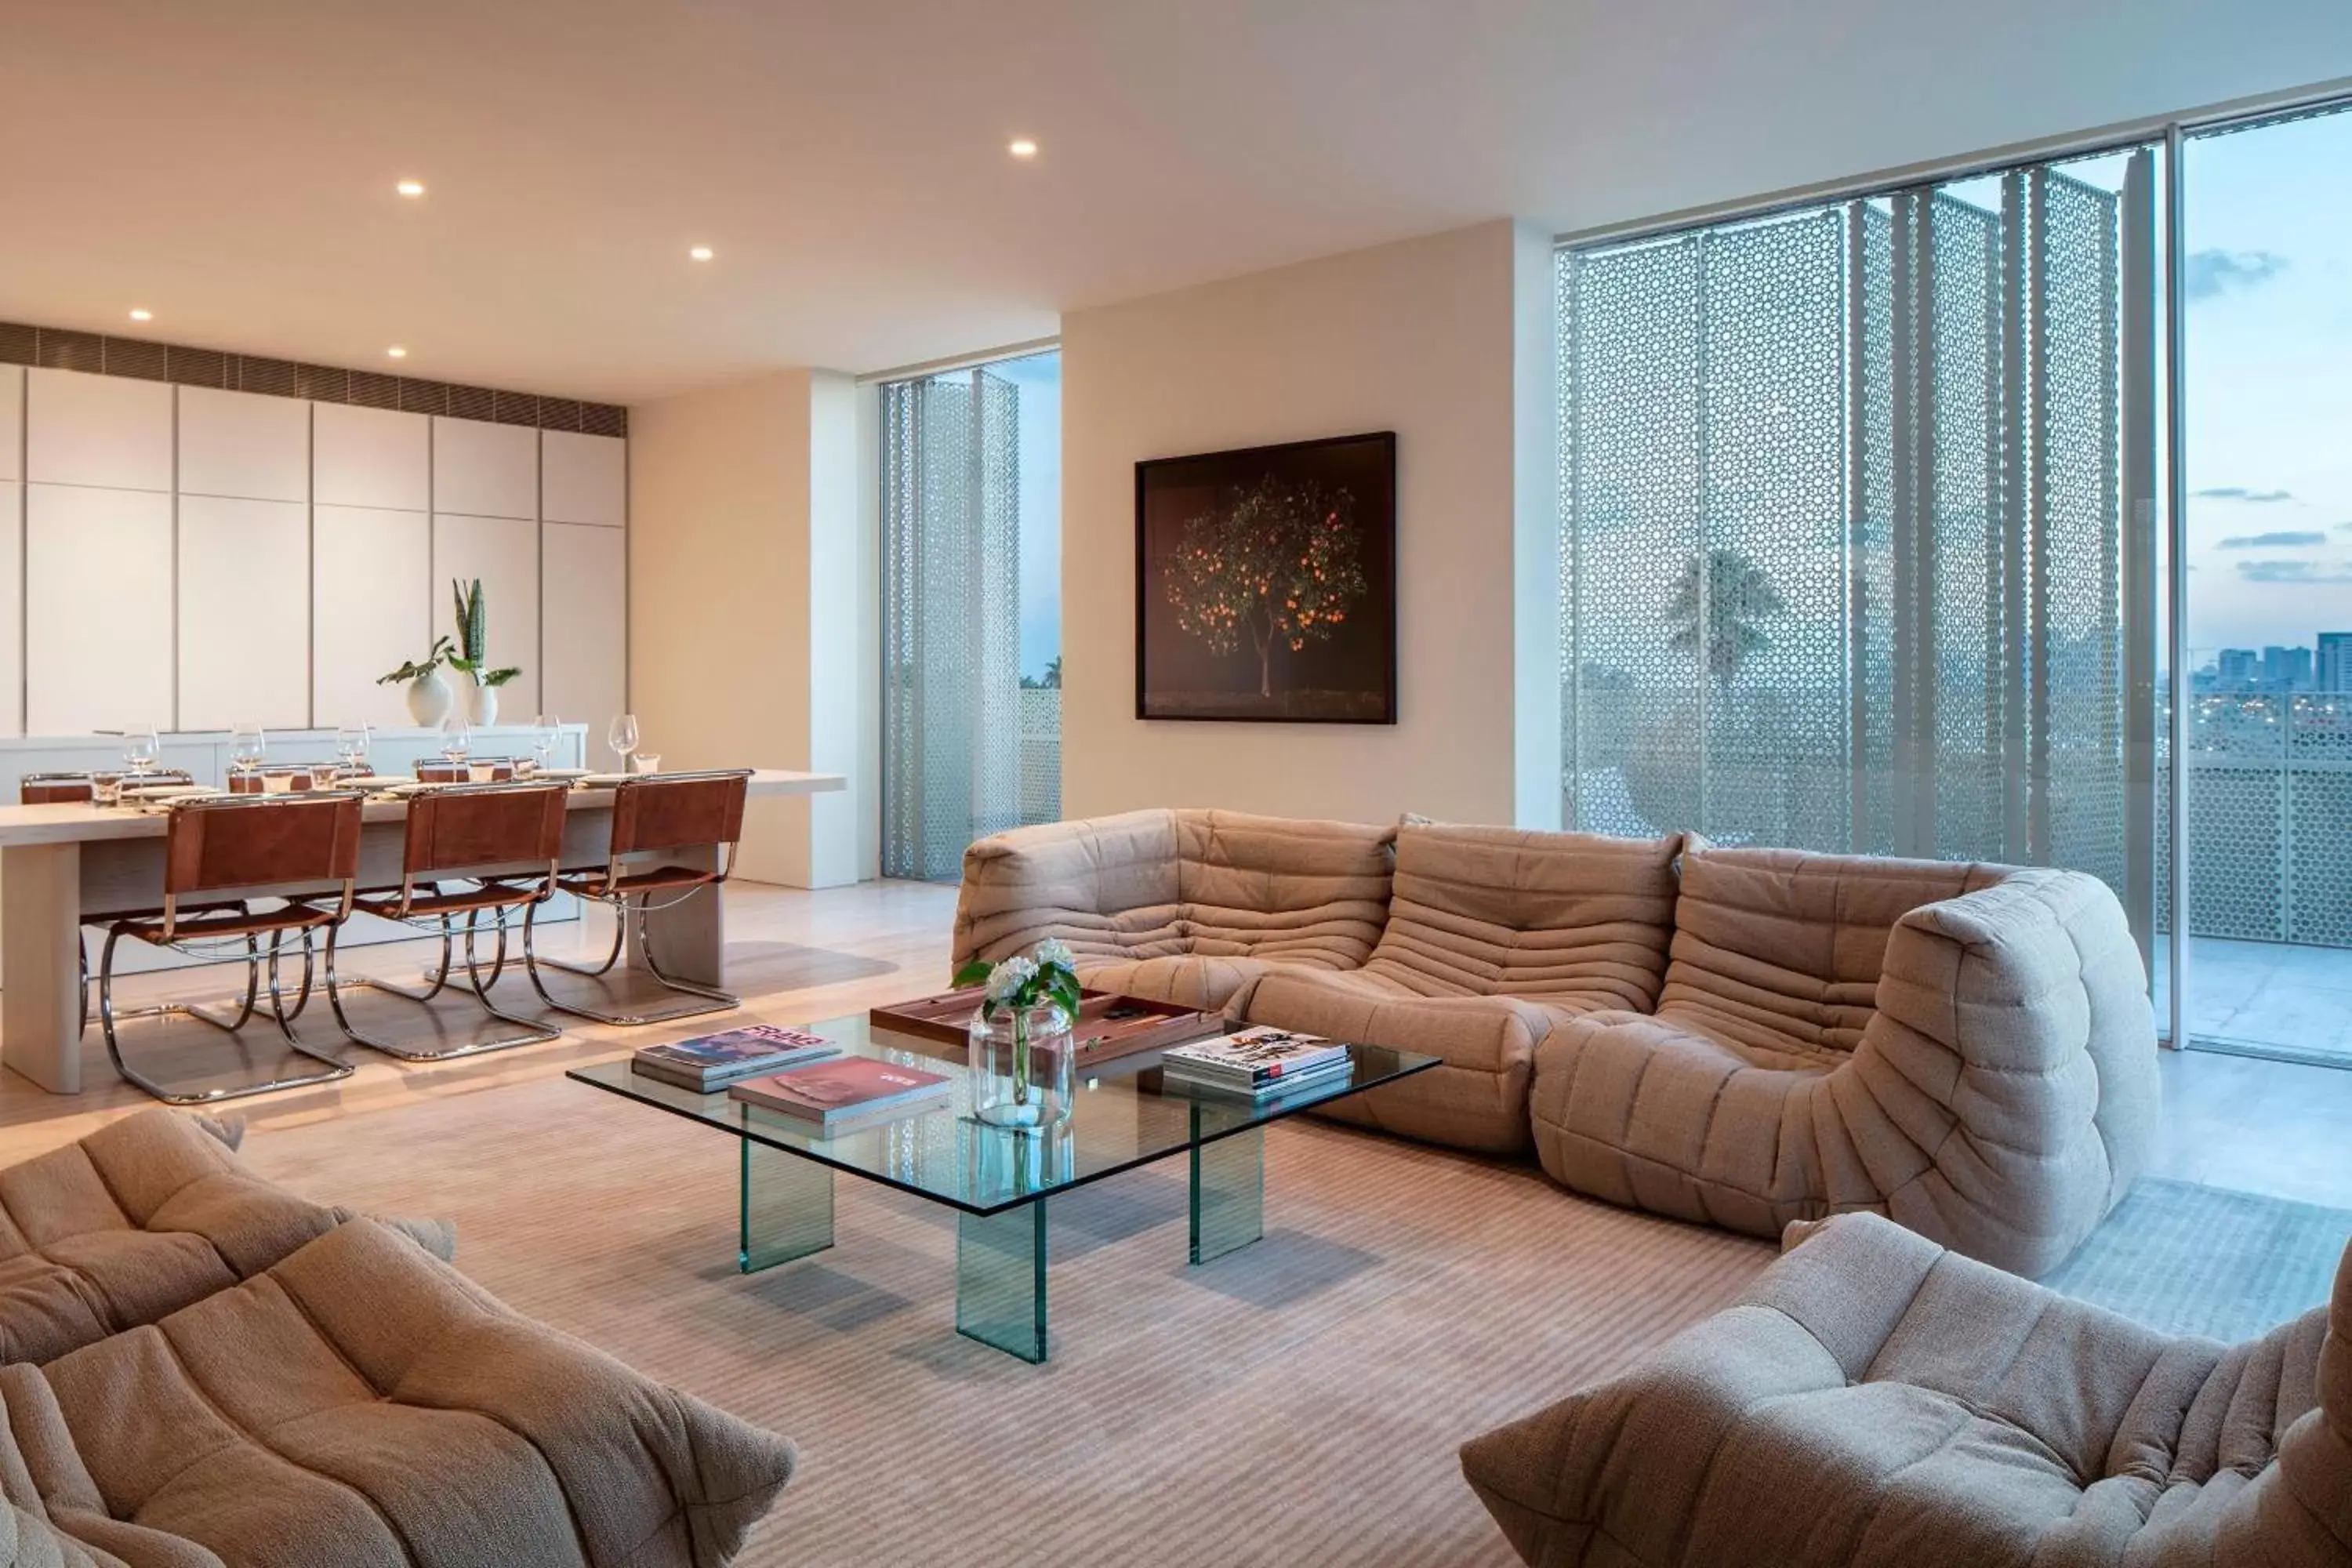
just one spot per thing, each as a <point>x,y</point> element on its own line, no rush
<point>707,1061</point>
<point>1253,1056</point>
<point>846,1087</point>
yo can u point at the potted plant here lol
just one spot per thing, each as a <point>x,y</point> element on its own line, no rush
<point>1023,1064</point>
<point>472,658</point>
<point>429,695</point>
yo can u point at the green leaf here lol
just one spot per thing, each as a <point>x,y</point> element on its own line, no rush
<point>973,972</point>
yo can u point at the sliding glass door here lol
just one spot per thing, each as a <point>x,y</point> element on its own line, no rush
<point>972,658</point>
<point>2267,286</point>
<point>1861,526</point>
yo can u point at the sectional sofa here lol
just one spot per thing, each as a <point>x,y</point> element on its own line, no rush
<point>1738,1036</point>
<point>198,1368</point>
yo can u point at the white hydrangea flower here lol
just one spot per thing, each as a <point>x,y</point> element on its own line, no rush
<point>1053,952</point>
<point>1009,977</point>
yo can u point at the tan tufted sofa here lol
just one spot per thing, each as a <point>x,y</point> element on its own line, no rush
<point>1743,1037</point>
<point>201,1369</point>
<point>1878,1401</point>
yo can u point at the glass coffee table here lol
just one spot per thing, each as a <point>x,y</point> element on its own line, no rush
<point>997,1180</point>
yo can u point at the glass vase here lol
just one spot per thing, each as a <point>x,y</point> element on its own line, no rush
<point>1023,1066</point>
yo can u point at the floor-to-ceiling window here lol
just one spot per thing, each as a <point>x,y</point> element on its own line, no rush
<point>2267,287</point>
<point>971,634</point>
<point>1860,515</point>
<point>1868,544</point>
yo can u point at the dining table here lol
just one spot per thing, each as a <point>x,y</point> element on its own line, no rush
<point>65,865</point>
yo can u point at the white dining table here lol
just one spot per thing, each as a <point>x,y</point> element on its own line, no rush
<point>62,864</point>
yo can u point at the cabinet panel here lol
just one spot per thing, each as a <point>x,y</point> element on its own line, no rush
<point>370,458</point>
<point>12,423</point>
<point>105,430</point>
<point>372,587</point>
<point>585,643</point>
<point>98,622</point>
<point>244,445</point>
<point>12,606</point>
<point>583,478</point>
<point>245,612</point>
<point>485,470</point>
<point>504,554</point>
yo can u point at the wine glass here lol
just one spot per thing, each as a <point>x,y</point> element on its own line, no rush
<point>141,747</point>
<point>622,737</point>
<point>352,746</point>
<point>456,740</point>
<point>248,746</point>
<point>546,733</point>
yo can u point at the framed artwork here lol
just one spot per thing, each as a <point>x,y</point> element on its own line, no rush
<point>1265,584</point>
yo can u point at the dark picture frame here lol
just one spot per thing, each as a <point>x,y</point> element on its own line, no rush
<point>1265,584</point>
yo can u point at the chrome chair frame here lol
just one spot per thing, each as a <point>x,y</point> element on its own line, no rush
<point>534,1033</point>
<point>712,999</point>
<point>254,958</point>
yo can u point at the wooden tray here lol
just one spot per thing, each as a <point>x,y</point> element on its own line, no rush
<point>1108,1025</point>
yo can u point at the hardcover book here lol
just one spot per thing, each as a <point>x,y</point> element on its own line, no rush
<point>826,1091</point>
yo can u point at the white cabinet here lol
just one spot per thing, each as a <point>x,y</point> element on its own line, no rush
<point>97,619</point>
<point>504,554</point>
<point>584,644</point>
<point>244,445</point>
<point>107,430</point>
<point>12,606</point>
<point>12,423</point>
<point>583,478</point>
<point>370,458</point>
<point>485,470</point>
<point>372,609</point>
<point>245,612</point>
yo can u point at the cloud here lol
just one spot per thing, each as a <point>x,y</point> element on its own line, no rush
<point>2286,539</point>
<point>2295,571</point>
<point>2240,492</point>
<point>2212,273</point>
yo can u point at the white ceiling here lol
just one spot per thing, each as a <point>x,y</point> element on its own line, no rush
<point>230,163</point>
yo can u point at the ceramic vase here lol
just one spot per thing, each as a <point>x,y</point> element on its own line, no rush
<point>429,697</point>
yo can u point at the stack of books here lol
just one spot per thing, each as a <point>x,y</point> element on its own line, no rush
<point>1258,1062</point>
<point>709,1063</point>
<point>845,1094</point>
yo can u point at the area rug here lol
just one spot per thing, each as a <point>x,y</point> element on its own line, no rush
<point>2193,1260</point>
<point>1298,1401</point>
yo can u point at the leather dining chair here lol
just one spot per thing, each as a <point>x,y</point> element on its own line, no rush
<point>223,856</point>
<point>662,823</point>
<point>442,771</point>
<point>82,789</point>
<point>501,843</point>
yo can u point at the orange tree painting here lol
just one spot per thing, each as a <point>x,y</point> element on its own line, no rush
<point>1265,584</point>
<point>1278,563</point>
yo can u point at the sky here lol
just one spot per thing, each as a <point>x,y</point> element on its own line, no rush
<point>2269,377</point>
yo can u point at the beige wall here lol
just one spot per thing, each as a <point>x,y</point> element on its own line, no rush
<point>746,605</point>
<point>1446,340</point>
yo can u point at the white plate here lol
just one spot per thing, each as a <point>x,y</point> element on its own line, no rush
<point>605,781</point>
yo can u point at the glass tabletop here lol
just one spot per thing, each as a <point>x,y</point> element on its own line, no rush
<point>1127,1115</point>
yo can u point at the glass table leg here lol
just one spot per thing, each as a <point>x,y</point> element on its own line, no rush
<point>1001,1280</point>
<point>787,1207</point>
<point>1228,1194</point>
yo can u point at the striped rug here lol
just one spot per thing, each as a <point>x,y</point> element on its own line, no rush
<point>1298,1401</point>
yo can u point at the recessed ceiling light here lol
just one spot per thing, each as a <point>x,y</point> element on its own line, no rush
<point>141,313</point>
<point>1022,147</point>
<point>396,351</point>
<point>410,188</point>
<point>702,253</point>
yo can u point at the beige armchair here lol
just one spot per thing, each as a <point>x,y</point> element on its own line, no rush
<point>1879,1402</point>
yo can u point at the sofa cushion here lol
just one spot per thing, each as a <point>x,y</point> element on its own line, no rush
<point>1281,890</point>
<point>1106,885</point>
<point>1780,950</point>
<point>1926,1408</point>
<point>1573,918</point>
<point>137,1219</point>
<point>1209,984</point>
<point>1478,1099</point>
<point>362,1402</point>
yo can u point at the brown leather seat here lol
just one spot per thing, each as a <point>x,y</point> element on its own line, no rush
<point>503,838</point>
